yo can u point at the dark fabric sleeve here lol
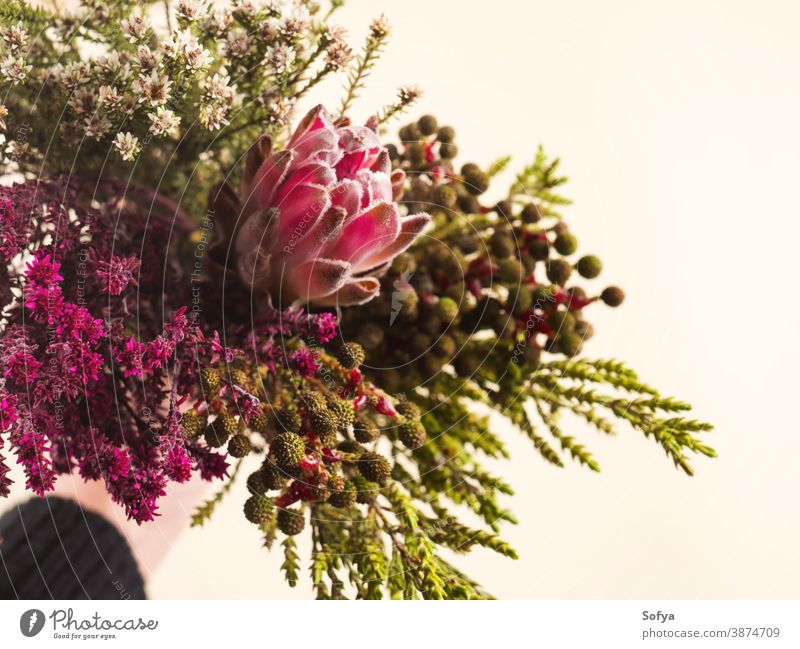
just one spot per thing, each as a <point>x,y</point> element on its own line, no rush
<point>53,549</point>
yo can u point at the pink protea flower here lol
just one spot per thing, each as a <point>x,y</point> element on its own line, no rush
<point>320,219</point>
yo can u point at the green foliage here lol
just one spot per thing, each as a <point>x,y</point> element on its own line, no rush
<point>540,180</point>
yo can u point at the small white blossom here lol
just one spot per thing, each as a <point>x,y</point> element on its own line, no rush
<point>237,44</point>
<point>163,121</point>
<point>135,28</point>
<point>338,53</point>
<point>295,21</point>
<point>280,57</point>
<point>245,7</point>
<point>145,58</point>
<point>191,10</point>
<point>216,23</point>
<point>3,115</point>
<point>127,144</point>
<point>269,30</point>
<point>109,97</point>
<point>213,116</point>
<point>15,37</point>
<point>185,45</point>
<point>153,89</point>
<point>218,88</point>
<point>73,74</point>
<point>97,126</point>
<point>14,69</point>
<point>83,101</point>
<point>18,150</point>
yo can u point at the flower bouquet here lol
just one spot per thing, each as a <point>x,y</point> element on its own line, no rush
<point>197,279</point>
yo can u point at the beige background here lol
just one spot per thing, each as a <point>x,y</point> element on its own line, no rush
<point>678,125</point>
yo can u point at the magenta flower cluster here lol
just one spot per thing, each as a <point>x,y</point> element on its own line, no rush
<point>94,378</point>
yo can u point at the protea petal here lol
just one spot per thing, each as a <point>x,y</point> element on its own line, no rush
<point>410,228</point>
<point>328,228</point>
<point>312,173</point>
<point>357,291</point>
<point>317,118</point>
<point>267,179</point>
<point>313,279</point>
<point>347,195</point>
<point>373,230</point>
<point>398,178</point>
<point>300,210</point>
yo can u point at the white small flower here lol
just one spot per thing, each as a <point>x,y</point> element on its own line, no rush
<point>145,58</point>
<point>3,115</point>
<point>245,7</point>
<point>83,101</point>
<point>135,28</point>
<point>216,23</point>
<point>15,37</point>
<point>163,121</point>
<point>191,10</point>
<point>153,89</point>
<point>97,126</point>
<point>127,144</point>
<point>213,116</point>
<point>218,88</point>
<point>237,44</point>
<point>18,151</point>
<point>269,30</point>
<point>14,69</point>
<point>296,21</point>
<point>109,97</point>
<point>74,74</point>
<point>280,57</point>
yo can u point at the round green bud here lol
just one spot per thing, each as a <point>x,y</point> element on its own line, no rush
<point>446,134</point>
<point>589,266</point>
<point>519,299</point>
<point>613,296</point>
<point>445,196</point>
<point>503,209</point>
<point>561,321</point>
<point>539,249</point>
<point>408,409</point>
<point>447,309</point>
<point>446,347</point>
<point>416,153</point>
<point>448,150</point>
<point>350,355</point>
<point>288,449</point>
<point>258,509</point>
<point>210,379</point>
<point>468,204</point>
<point>255,483</point>
<point>288,419</point>
<point>410,133</point>
<point>312,400</point>
<point>259,423</point>
<point>427,124</point>
<point>291,521</point>
<point>216,434</point>
<point>366,491</point>
<point>273,476</point>
<point>476,181</point>
<point>530,214</point>
<point>365,431</point>
<point>467,362</point>
<point>343,411</point>
<point>412,434</point>
<point>343,495</point>
<point>241,378</point>
<point>193,424</point>
<point>324,424</point>
<point>569,343</point>
<point>558,271</point>
<point>511,271</point>
<point>502,244</point>
<point>374,467</point>
<point>566,243</point>
<point>239,446</point>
